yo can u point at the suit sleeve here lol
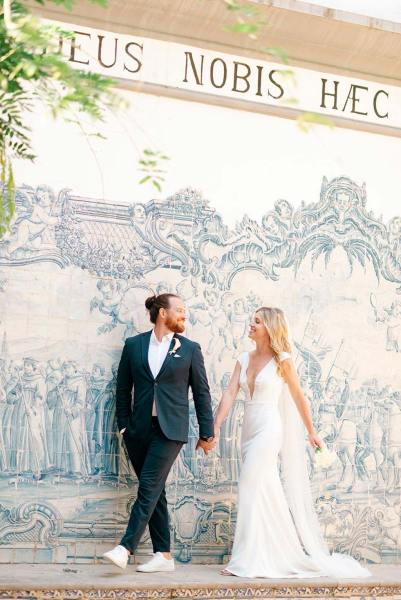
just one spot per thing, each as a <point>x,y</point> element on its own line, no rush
<point>201,393</point>
<point>124,390</point>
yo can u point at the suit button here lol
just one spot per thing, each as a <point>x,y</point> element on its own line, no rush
<point>156,384</point>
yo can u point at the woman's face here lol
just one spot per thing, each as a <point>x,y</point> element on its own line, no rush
<point>257,329</point>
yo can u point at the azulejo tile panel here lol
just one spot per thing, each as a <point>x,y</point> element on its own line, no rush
<point>74,274</point>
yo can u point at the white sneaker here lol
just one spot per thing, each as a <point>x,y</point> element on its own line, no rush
<point>157,563</point>
<point>118,556</point>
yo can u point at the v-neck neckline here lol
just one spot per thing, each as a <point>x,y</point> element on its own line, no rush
<point>256,376</point>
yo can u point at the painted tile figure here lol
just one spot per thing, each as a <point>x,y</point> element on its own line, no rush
<point>74,458</point>
<point>29,447</point>
<point>95,395</point>
<point>30,226</point>
<point>53,378</point>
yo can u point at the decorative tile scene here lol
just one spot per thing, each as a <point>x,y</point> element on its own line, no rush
<point>74,274</point>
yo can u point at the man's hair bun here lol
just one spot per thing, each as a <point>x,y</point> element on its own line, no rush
<point>149,302</point>
<point>155,303</point>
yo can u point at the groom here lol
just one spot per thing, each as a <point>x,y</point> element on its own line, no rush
<point>159,365</point>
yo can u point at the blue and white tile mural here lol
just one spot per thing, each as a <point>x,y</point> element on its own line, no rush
<point>74,275</point>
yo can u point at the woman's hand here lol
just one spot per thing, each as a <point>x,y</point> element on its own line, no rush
<point>315,441</point>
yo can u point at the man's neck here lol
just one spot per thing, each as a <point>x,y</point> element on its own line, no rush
<point>161,331</point>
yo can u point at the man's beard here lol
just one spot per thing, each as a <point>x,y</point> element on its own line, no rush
<point>174,325</point>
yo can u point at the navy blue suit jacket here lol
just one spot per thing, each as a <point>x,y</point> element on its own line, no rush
<point>169,389</point>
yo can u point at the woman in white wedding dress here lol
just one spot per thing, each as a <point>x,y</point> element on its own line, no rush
<point>277,532</point>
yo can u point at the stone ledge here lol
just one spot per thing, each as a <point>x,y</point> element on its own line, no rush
<point>359,47</point>
<point>260,592</point>
<point>73,582</point>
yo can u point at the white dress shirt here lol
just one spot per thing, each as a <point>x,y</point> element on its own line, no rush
<point>156,356</point>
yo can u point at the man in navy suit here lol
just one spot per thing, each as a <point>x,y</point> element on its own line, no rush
<point>159,365</point>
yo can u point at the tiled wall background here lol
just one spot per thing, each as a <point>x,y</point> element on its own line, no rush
<point>74,275</point>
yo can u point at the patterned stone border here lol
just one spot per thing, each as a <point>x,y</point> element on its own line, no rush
<point>351,592</point>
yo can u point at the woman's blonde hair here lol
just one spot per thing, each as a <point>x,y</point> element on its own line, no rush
<point>276,325</point>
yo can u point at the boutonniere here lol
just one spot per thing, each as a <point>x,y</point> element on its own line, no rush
<point>177,344</point>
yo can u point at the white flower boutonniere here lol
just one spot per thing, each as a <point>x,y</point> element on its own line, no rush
<point>177,344</point>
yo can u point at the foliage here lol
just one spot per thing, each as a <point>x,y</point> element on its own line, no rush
<point>33,69</point>
<point>151,163</point>
<point>306,120</point>
<point>249,20</point>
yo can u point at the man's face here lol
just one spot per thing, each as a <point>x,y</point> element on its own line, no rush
<point>395,226</point>
<point>42,198</point>
<point>28,368</point>
<point>342,201</point>
<point>238,307</point>
<point>68,369</point>
<point>175,316</point>
<point>96,372</point>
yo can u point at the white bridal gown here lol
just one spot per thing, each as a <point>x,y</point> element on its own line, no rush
<point>277,533</point>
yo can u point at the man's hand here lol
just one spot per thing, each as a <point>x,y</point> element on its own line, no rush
<point>206,446</point>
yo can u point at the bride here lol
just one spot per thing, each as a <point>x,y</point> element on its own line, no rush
<point>277,533</point>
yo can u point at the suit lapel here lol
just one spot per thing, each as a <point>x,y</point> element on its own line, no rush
<point>145,341</point>
<point>167,359</point>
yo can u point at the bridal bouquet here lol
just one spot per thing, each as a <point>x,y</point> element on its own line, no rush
<point>324,457</point>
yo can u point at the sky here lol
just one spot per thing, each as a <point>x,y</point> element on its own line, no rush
<point>389,10</point>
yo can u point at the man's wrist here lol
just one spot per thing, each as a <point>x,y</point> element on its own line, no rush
<point>206,438</point>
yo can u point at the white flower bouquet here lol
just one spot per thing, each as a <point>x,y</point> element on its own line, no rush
<point>324,457</point>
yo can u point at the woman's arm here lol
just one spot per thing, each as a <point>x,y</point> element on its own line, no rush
<point>291,378</point>
<point>227,399</point>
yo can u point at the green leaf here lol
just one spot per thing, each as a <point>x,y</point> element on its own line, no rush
<point>144,179</point>
<point>286,74</point>
<point>306,120</point>
<point>244,28</point>
<point>277,53</point>
<point>292,100</point>
<point>232,5</point>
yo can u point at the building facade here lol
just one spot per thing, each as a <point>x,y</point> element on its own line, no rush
<point>253,210</point>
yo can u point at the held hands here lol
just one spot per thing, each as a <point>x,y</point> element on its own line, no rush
<point>206,446</point>
<point>315,441</point>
